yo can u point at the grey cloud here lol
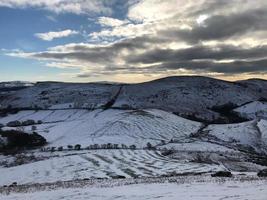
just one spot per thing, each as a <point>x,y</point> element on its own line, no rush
<point>196,58</point>
<point>102,55</point>
<point>210,66</point>
<point>221,27</point>
<point>199,52</point>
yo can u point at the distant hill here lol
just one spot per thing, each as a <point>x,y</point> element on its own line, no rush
<point>199,98</point>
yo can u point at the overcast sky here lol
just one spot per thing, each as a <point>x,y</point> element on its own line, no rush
<point>132,41</point>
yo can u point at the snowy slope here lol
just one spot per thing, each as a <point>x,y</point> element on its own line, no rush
<point>248,134</point>
<point>64,127</point>
<point>15,84</point>
<point>138,127</point>
<point>259,86</point>
<point>253,110</point>
<point>262,125</point>
<point>187,96</point>
<point>194,190</point>
<point>46,94</point>
<point>73,165</point>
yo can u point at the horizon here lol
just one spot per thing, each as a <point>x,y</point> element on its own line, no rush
<point>113,82</point>
<point>132,41</point>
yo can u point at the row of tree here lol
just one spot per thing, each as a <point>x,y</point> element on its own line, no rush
<point>96,146</point>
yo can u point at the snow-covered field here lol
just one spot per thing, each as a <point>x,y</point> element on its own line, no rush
<point>63,166</point>
<point>251,134</point>
<point>117,116</point>
<point>138,127</point>
<point>77,126</point>
<point>228,190</point>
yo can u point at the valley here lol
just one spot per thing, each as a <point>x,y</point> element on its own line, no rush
<point>193,126</point>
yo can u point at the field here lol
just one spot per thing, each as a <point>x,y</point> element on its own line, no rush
<point>63,166</point>
<point>156,140</point>
<point>80,126</point>
<point>186,188</point>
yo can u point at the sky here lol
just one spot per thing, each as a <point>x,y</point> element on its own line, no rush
<point>132,40</point>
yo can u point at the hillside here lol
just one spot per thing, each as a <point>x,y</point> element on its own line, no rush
<point>63,127</point>
<point>191,97</point>
<point>165,127</point>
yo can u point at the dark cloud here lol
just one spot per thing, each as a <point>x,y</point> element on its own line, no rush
<point>221,27</point>
<point>153,49</point>
<point>197,53</point>
<point>235,67</point>
<point>98,54</point>
<point>199,57</point>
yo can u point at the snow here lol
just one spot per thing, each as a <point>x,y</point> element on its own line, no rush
<point>11,84</point>
<point>199,146</point>
<point>46,94</point>
<point>63,166</point>
<point>62,106</point>
<point>78,126</point>
<point>244,133</point>
<point>262,124</point>
<point>253,110</point>
<point>184,95</point>
<point>3,141</point>
<point>72,114</point>
<point>229,190</point>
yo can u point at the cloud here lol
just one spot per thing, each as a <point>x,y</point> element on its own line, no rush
<point>62,6</point>
<point>111,22</point>
<point>163,37</point>
<point>222,26</point>
<point>126,56</point>
<point>200,52</point>
<point>49,36</point>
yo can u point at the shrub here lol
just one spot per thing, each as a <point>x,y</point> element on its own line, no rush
<point>18,139</point>
<point>167,152</point>
<point>70,147</point>
<point>262,173</point>
<point>60,148</point>
<point>77,147</point>
<point>109,146</point>
<point>133,147</point>
<point>34,128</point>
<point>222,174</point>
<point>149,145</point>
<point>14,123</point>
<point>118,177</point>
<point>28,122</point>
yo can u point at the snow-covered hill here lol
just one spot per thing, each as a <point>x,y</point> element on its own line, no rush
<point>70,127</point>
<point>66,166</point>
<point>170,125</point>
<point>139,127</point>
<point>186,95</point>
<point>191,97</point>
<point>253,110</point>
